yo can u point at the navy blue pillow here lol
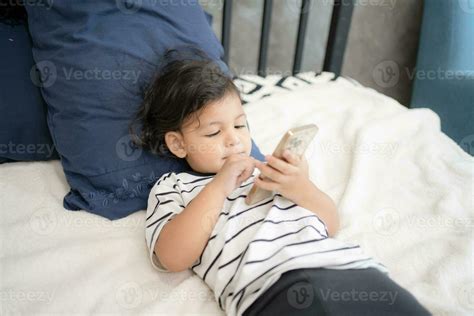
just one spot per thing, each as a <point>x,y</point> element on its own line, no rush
<point>94,58</point>
<point>24,134</point>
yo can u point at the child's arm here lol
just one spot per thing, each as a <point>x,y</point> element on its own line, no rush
<point>183,238</point>
<point>322,205</point>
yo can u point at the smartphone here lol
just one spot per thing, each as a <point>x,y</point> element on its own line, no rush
<point>296,140</point>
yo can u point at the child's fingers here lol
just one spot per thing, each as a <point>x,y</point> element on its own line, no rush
<point>246,173</point>
<point>266,184</point>
<point>280,164</point>
<point>291,158</point>
<point>269,172</point>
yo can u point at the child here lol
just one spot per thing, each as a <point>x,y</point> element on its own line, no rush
<point>275,257</point>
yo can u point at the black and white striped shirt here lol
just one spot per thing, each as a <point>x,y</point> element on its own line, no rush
<point>250,246</point>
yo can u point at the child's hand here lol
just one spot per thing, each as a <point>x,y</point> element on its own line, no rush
<point>236,169</point>
<point>288,176</point>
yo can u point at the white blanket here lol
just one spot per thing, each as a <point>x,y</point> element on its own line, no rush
<point>404,192</point>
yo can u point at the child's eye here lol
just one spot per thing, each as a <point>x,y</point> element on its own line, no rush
<point>213,134</point>
<point>237,126</point>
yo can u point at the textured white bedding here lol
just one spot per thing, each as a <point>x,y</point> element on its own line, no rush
<point>404,191</point>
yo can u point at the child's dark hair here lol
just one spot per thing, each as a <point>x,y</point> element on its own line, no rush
<point>182,87</point>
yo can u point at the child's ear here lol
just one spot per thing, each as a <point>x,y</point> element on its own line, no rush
<point>174,142</point>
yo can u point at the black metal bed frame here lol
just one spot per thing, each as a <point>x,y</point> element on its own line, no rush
<point>337,38</point>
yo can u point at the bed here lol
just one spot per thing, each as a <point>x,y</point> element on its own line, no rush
<point>404,192</point>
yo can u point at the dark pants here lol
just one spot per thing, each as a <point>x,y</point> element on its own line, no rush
<point>318,292</point>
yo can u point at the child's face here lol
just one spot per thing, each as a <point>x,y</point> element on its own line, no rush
<point>206,146</point>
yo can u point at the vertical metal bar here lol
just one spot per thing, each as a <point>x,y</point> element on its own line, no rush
<point>264,38</point>
<point>226,23</point>
<point>303,23</point>
<point>338,34</point>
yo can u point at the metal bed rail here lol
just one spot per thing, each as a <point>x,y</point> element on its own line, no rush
<point>336,43</point>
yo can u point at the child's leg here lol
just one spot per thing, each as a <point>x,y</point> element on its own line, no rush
<point>316,291</point>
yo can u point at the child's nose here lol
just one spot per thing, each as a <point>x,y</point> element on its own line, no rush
<point>232,139</point>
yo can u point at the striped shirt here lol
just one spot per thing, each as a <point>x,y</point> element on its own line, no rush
<point>250,247</point>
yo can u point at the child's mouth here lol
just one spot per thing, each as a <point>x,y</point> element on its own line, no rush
<point>241,153</point>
